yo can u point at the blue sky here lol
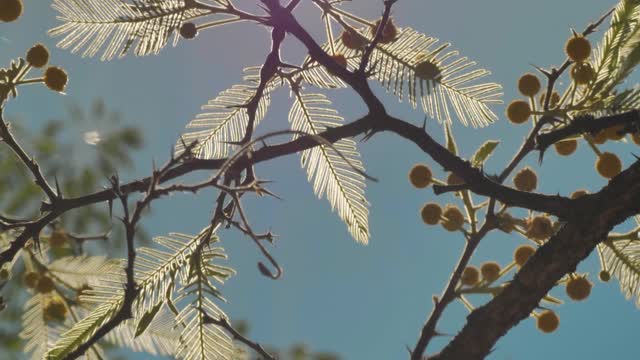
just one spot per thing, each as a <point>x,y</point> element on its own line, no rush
<point>364,302</point>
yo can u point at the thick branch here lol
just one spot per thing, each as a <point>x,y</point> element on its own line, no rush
<point>597,215</point>
<point>440,304</point>
<point>629,122</point>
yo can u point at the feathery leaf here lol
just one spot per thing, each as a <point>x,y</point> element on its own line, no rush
<point>622,259</point>
<point>158,339</point>
<point>331,175</point>
<point>156,272</point>
<point>226,118</point>
<point>614,57</point>
<point>82,270</point>
<point>198,339</point>
<point>118,25</point>
<point>35,329</point>
<point>416,66</point>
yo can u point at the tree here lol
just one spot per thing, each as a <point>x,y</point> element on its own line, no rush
<point>177,283</point>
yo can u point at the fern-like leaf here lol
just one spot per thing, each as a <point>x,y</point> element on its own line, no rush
<point>158,339</point>
<point>613,57</point>
<point>331,175</point>
<point>35,330</point>
<point>86,327</point>
<point>120,25</point>
<point>318,76</point>
<point>77,271</point>
<point>198,339</point>
<point>417,67</point>
<point>623,101</point>
<point>156,273</point>
<point>226,118</point>
<point>622,259</point>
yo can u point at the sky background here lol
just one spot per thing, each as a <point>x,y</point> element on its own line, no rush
<point>363,302</point>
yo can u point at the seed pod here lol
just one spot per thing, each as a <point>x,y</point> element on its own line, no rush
<point>604,276</point>
<point>55,78</point>
<point>566,147</point>
<point>578,288</point>
<point>526,180</point>
<point>45,285</point>
<point>188,30</point>
<point>420,176</point>
<point>55,309</point>
<point>38,56</point>
<point>578,48</point>
<point>548,322</point>
<point>389,32</point>
<point>353,40</point>
<point>539,228</point>
<point>614,133</point>
<point>431,213</point>
<point>518,112</point>
<point>608,165</point>
<point>490,271</point>
<point>582,73</point>
<point>529,84</point>
<point>578,194</point>
<point>427,70</point>
<point>470,276</point>
<point>10,10</point>
<point>453,218</point>
<point>522,254</point>
<point>454,179</point>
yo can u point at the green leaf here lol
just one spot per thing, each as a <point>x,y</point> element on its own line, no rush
<point>147,318</point>
<point>451,143</point>
<point>483,152</point>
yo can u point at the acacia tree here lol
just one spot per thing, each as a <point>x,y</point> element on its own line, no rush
<point>140,300</point>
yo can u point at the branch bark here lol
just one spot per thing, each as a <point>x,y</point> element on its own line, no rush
<point>596,215</point>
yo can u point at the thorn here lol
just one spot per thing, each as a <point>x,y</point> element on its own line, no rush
<point>58,190</point>
<point>110,204</point>
<point>540,158</point>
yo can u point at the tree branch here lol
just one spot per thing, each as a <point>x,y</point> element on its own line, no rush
<point>7,137</point>
<point>596,214</point>
<point>630,122</point>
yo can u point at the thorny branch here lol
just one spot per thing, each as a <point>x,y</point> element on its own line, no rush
<point>130,221</point>
<point>557,257</point>
<point>7,137</point>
